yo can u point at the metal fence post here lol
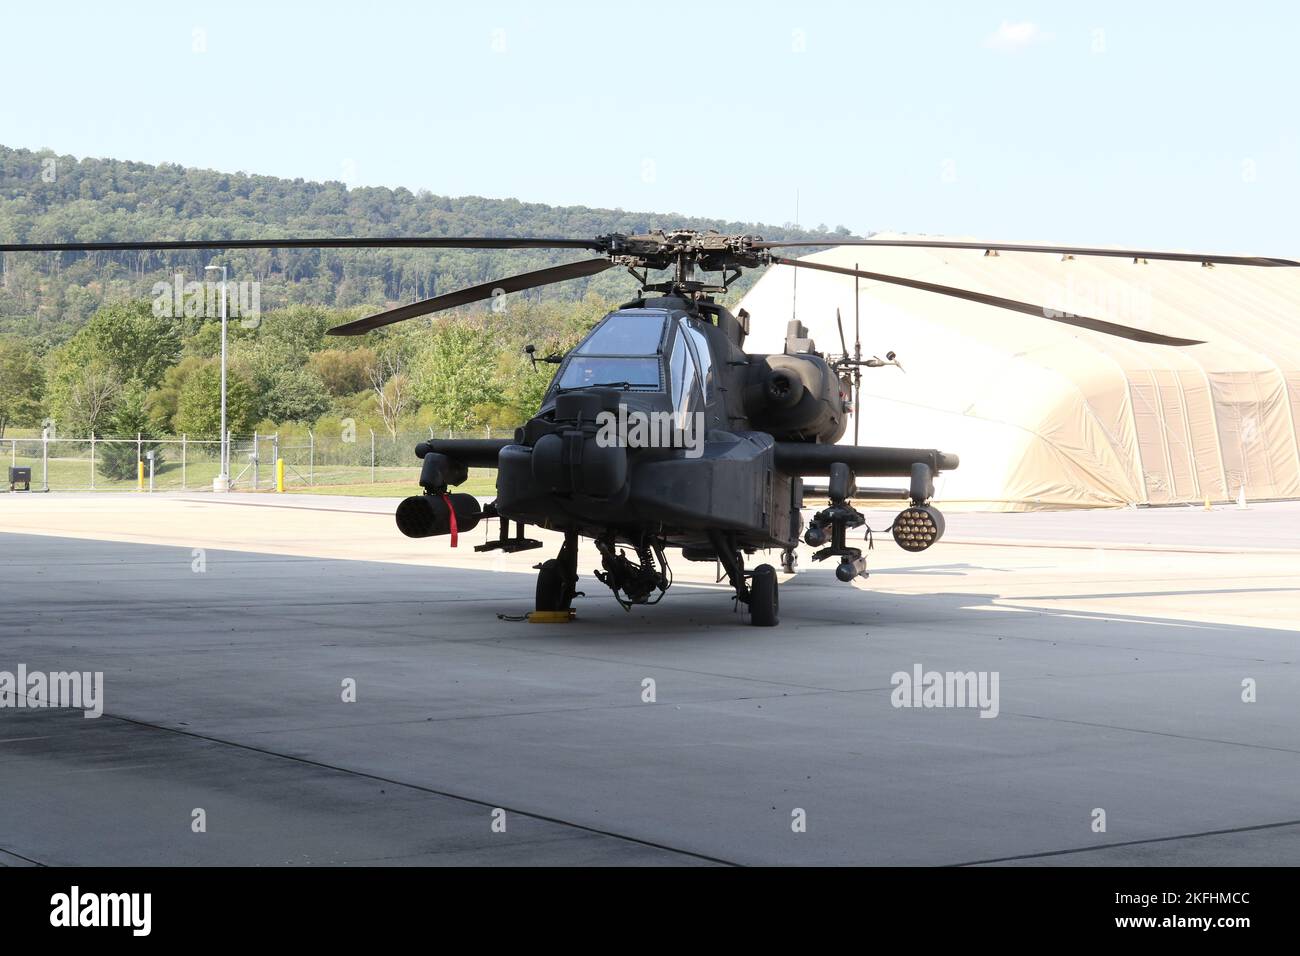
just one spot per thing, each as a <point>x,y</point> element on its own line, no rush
<point>338,464</point>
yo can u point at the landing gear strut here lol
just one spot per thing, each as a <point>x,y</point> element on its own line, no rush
<point>757,589</point>
<point>557,578</point>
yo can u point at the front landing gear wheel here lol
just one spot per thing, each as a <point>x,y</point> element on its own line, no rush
<point>554,593</point>
<point>764,601</point>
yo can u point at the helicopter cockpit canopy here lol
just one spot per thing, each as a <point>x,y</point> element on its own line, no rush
<point>647,351</point>
<point>623,351</point>
<point>690,369</point>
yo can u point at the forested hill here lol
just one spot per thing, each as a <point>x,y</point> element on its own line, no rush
<point>48,198</point>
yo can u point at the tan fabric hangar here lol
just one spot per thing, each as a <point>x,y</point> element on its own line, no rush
<point>1045,415</point>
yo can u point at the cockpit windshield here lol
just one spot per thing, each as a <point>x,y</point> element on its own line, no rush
<point>631,332</point>
<point>623,352</point>
<point>626,373</point>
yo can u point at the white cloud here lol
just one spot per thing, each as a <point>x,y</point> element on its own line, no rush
<point>1013,37</point>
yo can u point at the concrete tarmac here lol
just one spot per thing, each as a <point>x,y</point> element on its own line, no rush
<point>229,629</point>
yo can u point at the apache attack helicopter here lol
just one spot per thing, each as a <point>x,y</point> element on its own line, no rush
<point>738,431</point>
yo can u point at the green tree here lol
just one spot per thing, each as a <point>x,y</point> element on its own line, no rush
<point>82,395</point>
<point>391,385</point>
<point>286,390</point>
<point>22,384</point>
<point>205,339</point>
<point>344,371</point>
<point>130,421</point>
<point>300,327</point>
<point>198,406</point>
<point>291,395</point>
<point>522,386</point>
<point>453,375</point>
<point>121,343</point>
<point>135,343</point>
<point>164,400</point>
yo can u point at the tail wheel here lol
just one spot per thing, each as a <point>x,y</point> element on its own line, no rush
<point>764,601</point>
<point>554,592</point>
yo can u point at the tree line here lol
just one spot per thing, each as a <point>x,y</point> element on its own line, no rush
<point>46,197</point>
<point>130,370</point>
<point>84,346</point>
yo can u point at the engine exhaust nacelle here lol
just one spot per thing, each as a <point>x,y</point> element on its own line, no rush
<point>424,516</point>
<point>796,398</point>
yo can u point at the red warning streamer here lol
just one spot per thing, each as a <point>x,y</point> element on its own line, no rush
<point>451,517</point>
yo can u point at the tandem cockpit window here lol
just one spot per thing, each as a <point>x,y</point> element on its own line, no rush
<point>623,352</point>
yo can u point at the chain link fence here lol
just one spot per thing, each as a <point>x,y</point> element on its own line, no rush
<point>364,462</point>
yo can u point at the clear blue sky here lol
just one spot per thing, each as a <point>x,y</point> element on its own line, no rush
<point>1170,124</point>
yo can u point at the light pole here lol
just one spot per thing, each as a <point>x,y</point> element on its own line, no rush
<point>222,481</point>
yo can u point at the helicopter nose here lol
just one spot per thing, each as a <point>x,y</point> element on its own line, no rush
<point>573,461</point>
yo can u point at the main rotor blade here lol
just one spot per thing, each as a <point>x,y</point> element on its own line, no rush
<point>1038,311</point>
<point>1062,250</point>
<point>474,293</point>
<point>389,242</point>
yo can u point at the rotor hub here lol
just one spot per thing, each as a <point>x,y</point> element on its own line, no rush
<point>709,251</point>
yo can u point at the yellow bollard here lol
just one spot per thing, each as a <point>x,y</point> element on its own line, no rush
<point>1208,507</point>
<point>139,477</point>
<point>279,474</point>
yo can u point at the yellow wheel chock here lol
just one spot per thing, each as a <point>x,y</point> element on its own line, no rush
<point>551,617</point>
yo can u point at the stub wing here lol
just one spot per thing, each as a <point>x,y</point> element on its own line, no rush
<point>802,458</point>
